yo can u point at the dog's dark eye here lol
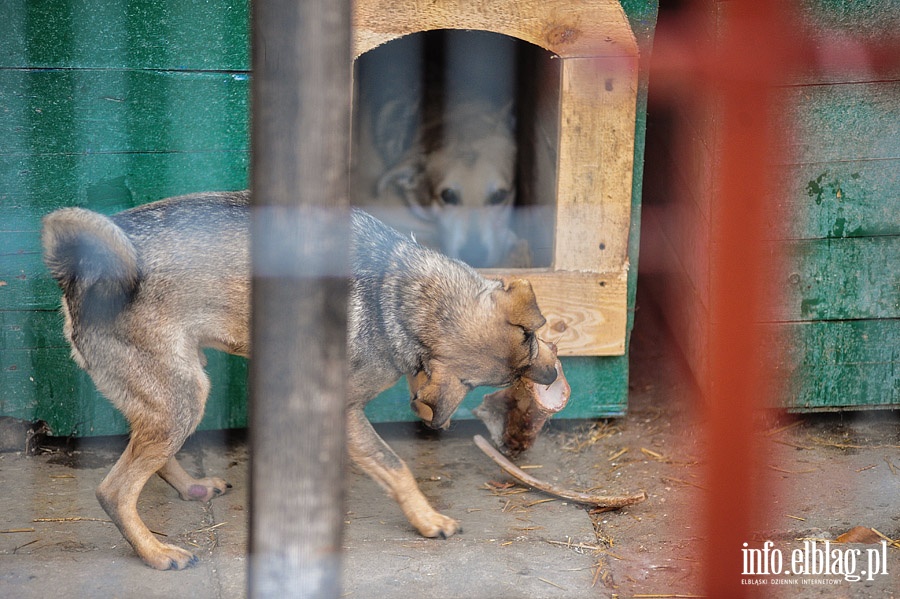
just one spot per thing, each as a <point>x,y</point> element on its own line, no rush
<point>450,197</point>
<point>498,197</point>
<point>529,342</point>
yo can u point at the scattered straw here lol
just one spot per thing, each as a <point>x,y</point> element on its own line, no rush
<point>683,482</point>
<point>783,428</point>
<point>893,543</point>
<point>794,445</point>
<point>552,584</point>
<point>539,501</point>
<point>807,471</point>
<point>599,568</point>
<point>597,432</point>
<point>72,519</point>
<point>618,454</point>
<point>652,454</point>
<point>16,530</point>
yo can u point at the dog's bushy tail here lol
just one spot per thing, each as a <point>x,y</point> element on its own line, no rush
<point>93,260</point>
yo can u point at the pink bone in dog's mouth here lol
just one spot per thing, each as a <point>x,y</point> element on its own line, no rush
<point>515,416</point>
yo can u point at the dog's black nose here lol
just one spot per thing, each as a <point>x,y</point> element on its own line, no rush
<point>544,375</point>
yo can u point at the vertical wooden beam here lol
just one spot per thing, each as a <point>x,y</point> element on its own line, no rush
<point>744,71</point>
<point>300,130</point>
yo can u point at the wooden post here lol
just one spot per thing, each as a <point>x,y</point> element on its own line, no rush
<point>301,116</point>
<point>745,70</point>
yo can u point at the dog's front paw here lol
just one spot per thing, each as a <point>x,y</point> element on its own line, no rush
<point>204,489</point>
<point>437,525</point>
<point>163,556</point>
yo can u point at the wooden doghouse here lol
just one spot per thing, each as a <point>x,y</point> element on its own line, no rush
<point>584,292</point>
<point>586,121</point>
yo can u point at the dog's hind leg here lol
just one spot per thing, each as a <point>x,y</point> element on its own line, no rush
<point>378,460</point>
<point>188,487</point>
<point>118,494</point>
<point>163,402</point>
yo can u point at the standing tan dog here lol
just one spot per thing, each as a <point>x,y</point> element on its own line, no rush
<point>145,290</point>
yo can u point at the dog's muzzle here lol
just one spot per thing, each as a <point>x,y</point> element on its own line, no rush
<point>544,375</point>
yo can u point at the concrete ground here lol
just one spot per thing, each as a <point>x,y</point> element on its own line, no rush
<point>833,473</point>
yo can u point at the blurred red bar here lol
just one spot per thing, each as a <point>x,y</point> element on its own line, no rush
<point>746,63</point>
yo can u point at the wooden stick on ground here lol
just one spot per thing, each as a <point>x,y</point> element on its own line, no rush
<point>603,501</point>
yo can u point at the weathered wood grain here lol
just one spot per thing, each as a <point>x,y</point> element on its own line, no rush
<point>837,364</point>
<point>858,198</point>
<point>592,28</point>
<point>837,279</point>
<point>596,153</point>
<point>586,312</point>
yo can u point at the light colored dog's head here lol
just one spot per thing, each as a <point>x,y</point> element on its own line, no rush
<point>463,182</point>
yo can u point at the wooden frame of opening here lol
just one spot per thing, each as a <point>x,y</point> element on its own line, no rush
<point>584,293</point>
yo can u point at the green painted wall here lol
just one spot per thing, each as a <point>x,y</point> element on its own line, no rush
<point>109,104</point>
<point>839,315</point>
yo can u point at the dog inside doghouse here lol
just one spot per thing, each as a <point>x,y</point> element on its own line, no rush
<point>454,143</point>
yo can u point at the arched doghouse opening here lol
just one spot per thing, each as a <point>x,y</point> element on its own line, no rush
<point>470,115</point>
<point>584,108</point>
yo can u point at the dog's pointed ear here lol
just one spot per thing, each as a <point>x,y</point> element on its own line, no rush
<point>396,127</point>
<point>408,179</point>
<point>521,305</point>
<point>434,397</point>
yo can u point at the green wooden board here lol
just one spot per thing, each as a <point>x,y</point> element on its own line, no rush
<point>839,279</point>
<point>41,381</point>
<point>838,364</point>
<point>115,34</point>
<point>834,123</point>
<point>102,111</point>
<point>839,333</point>
<point>595,383</point>
<point>34,185</point>
<point>45,384</point>
<point>839,199</point>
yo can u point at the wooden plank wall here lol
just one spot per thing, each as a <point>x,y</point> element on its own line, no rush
<point>841,280</point>
<point>107,105</point>
<point>836,320</point>
<point>110,104</point>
